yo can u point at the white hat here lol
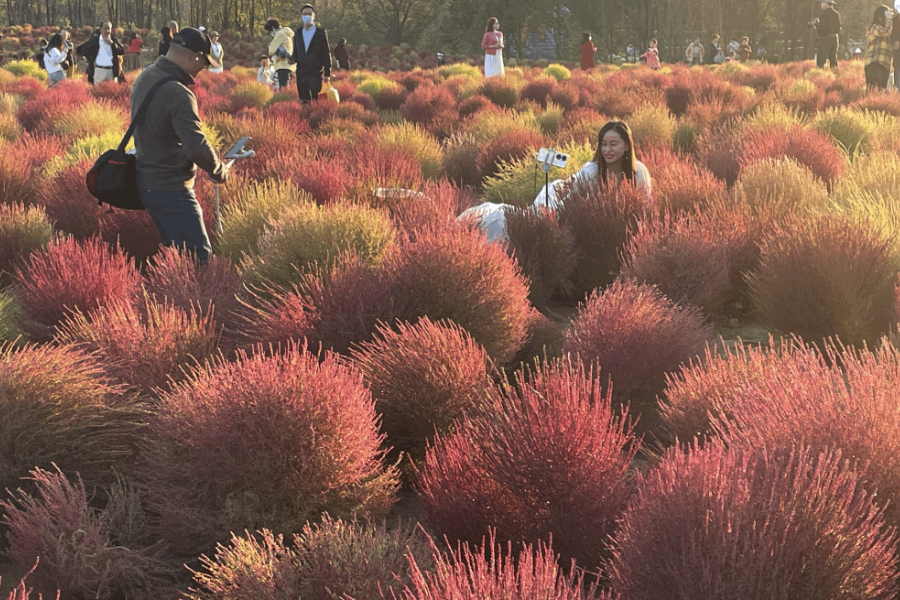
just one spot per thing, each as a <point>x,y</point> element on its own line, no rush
<point>202,28</point>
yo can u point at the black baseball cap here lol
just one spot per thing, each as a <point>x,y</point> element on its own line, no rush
<point>196,41</point>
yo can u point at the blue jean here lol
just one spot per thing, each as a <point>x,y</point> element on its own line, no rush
<point>179,220</point>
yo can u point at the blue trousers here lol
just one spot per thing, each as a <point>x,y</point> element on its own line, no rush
<point>179,220</point>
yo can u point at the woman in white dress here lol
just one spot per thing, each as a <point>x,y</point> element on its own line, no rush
<point>217,51</point>
<point>492,42</point>
<point>614,160</point>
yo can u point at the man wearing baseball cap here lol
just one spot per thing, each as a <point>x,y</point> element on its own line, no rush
<point>170,144</point>
<point>828,26</point>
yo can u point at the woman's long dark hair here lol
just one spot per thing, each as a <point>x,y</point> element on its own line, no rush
<point>166,33</point>
<point>628,160</point>
<point>55,42</point>
<point>879,18</point>
<point>490,25</point>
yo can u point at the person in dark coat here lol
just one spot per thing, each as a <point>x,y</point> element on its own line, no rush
<point>312,55</point>
<point>102,53</point>
<point>828,27</point>
<point>712,49</point>
<point>340,55</point>
<point>165,40</point>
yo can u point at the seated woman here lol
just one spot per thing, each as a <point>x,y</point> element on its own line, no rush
<point>614,160</point>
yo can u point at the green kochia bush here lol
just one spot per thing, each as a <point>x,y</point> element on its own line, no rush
<point>266,441</point>
<point>329,560</point>
<point>739,524</point>
<point>827,276</point>
<point>307,235</point>
<point>57,407</point>
<point>22,231</point>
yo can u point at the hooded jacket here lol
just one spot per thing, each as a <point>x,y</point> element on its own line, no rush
<point>283,37</point>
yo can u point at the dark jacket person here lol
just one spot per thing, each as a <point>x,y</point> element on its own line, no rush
<point>341,56</point>
<point>102,53</point>
<point>170,144</point>
<point>828,27</point>
<point>313,56</point>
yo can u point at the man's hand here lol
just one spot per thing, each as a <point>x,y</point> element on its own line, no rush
<point>222,175</point>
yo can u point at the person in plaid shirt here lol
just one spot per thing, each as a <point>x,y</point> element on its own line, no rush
<point>879,50</point>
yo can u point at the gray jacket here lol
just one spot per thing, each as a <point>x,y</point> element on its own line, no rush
<point>169,142</point>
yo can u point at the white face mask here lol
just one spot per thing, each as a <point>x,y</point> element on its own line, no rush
<point>307,19</point>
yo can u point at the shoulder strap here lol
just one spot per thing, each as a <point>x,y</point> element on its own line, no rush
<point>143,110</point>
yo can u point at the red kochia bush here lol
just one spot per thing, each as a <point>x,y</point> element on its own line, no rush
<point>720,150</point>
<point>266,441</point>
<point>840,269</point>
<point>434,106</point>
<point>423,377</point>
<point>688,260</point>
<point>599,217</point>
<point>210,289</point>
<point>499,91</point>
<point>740,524</point>
<point>544,249</point>
<point>325,179</point>
<point>538,90</point>
<point>546,458</point>
<point>679,184</point>
<point>637,336</point>
<point>454,273</point>
<point>709,386</point>
<point>68,204</point>
<point>71,540</point>
<point>71,275</point>
<point>36,114</point>
<point>848,405</point>
<point>465,575</point>
<point>810,148</point>
<point>142,346</point>
<point>508,147</point>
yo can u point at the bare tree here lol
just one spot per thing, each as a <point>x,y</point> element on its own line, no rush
<point>399,20</point>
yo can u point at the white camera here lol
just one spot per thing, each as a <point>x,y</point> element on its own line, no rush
<point>551,158</point>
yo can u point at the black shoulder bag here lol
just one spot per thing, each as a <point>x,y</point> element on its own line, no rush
<point>113,178</point>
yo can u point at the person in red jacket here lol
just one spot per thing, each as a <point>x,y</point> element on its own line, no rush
<point>587,52</point>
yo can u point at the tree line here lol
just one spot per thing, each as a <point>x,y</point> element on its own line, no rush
<point>456,26</point>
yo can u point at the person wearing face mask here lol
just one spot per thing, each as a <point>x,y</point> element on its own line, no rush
<point>102,53</point>
<point>282,37</point>
<point>312,55</point>
<point>170,143</point>
<point>492,42</point>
